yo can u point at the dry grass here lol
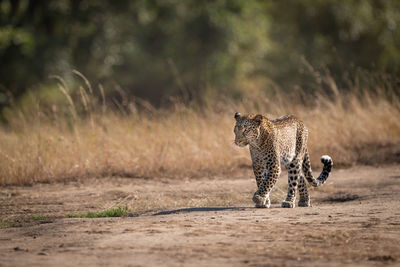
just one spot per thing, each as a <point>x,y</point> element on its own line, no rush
<point>87,138</point>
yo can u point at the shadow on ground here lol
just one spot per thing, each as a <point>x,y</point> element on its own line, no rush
<point>189,210</point>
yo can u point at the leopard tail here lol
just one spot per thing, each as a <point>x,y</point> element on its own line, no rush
<point>328,163</point>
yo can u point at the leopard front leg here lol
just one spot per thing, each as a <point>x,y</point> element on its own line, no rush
<point>293,179</point>
<point>260,172</point>
<point>261,196</point>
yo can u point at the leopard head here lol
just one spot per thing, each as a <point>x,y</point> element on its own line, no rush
<point>247,129</point>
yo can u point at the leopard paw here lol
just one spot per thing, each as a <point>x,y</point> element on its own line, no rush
<point>261,202</point>
<point>304,203</point>
<point>287,204</point>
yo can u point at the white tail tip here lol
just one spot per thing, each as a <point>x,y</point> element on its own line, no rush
<point>326,157</point>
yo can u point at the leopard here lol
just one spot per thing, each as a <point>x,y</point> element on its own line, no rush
<point>274,143</point>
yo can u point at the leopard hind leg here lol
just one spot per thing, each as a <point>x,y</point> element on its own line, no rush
<point>303,192</point>
<point>293,181</point>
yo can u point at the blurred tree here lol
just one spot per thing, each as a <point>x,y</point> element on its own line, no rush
<point>155,49</point>
<point>341,36</point>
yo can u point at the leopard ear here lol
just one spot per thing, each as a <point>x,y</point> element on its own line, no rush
<point>237,115</point>
<point>258,118</point>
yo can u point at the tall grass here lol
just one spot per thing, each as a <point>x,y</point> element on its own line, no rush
<point>86,137</point>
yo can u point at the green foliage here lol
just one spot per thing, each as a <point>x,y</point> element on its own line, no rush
<point>158,49</point>
<point>345,38</point>
<point>117,212</point>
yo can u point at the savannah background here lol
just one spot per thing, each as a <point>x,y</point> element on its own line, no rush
<point>125,108</point>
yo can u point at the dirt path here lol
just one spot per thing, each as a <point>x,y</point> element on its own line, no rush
<point>355,220</point>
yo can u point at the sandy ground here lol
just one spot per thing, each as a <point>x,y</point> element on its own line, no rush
<point>355,220</point>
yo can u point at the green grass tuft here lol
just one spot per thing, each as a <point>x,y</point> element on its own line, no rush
<point>117,212</point>
<point>39,217</point>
